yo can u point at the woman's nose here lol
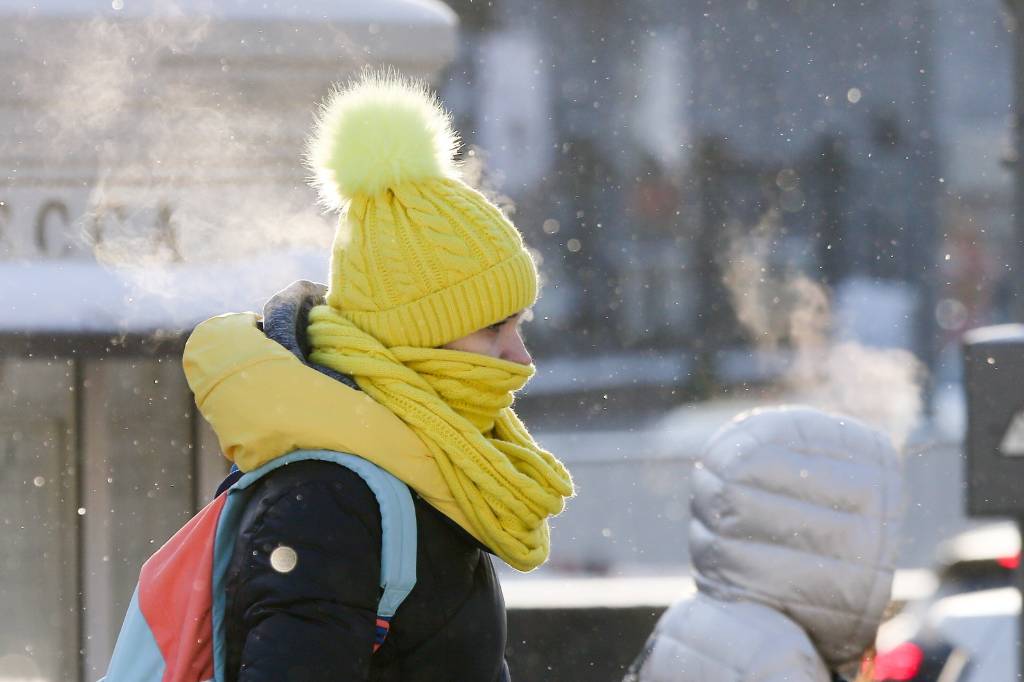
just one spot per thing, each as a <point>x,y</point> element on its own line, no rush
<point>514,349</point>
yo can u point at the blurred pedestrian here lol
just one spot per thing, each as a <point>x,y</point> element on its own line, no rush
<point>793,538</point>
<point>409,358</point>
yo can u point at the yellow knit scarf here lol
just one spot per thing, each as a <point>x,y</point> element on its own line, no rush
<point>459,404</point>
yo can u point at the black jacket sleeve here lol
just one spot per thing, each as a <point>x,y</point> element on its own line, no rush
<point>307,589</point>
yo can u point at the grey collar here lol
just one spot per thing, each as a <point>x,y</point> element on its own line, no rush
<point>285,317</point>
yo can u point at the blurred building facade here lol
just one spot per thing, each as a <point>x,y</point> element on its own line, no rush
<point>667,161</point>
<point>646,147</point>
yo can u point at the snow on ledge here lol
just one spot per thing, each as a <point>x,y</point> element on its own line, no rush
<point>412,12</point>
<point>79,296</point>
<point>574,591</point>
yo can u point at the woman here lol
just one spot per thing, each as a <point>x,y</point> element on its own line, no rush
<point>793,537</point>
<point>408,359</point>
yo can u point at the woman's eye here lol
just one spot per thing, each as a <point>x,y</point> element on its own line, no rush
<point>496,327</point>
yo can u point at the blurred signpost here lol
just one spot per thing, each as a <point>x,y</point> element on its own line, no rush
<point>994,368</point>
<point>994,382</point>
<point>1016,9</point>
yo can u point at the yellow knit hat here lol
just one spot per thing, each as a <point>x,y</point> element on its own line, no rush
<point>420,258</point>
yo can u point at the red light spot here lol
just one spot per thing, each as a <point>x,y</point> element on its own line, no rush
<point>900,664</point>
<point>1010,562</point>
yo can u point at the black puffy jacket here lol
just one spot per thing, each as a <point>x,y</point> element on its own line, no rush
<point>317,622</point>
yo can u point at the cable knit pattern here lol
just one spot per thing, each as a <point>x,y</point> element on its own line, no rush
<point>358,292</point>
<point>460,405</point>
<point>421,258</point>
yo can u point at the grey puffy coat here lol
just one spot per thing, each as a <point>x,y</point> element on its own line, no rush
<point>793,537</point>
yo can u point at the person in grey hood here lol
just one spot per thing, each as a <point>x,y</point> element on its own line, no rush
<point>793,534</point>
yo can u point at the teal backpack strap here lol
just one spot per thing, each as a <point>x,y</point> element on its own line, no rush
<point>398,539</point>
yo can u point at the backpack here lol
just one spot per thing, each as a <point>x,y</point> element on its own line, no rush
<point>174,628</point>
